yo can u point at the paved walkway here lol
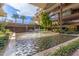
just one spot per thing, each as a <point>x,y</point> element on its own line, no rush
<point>76,53</point>
<point>11,47</point>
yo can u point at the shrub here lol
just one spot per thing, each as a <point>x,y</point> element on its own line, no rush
<point>67,50</point>
<point>1,32</point>
<point>3,40</point>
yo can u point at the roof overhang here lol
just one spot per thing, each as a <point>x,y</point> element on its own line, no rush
<point>2,13</point>
<point>40,5</point>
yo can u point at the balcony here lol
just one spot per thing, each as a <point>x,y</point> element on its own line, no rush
<point>71,17</point>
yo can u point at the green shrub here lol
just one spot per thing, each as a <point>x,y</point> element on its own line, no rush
<point>8,32</point>
<point>3,41</point>
<point>1,32</point>
<point>67,50</point>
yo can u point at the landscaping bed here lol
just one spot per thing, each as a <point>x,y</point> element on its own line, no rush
<point>4,39</point>
<point>3,43</point>
<point>67,50</point>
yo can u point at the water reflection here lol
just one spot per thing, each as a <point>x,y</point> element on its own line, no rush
<point>29,47</point>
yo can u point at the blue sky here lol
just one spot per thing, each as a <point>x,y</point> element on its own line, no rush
<point>22,9</point>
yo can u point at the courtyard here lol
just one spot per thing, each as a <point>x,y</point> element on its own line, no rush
<point>42,33</point>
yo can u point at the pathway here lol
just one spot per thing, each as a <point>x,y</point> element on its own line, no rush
<point>11,47</point>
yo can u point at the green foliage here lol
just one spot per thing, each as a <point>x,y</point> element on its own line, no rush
<point>2,26</point>
<point>45,20</point>
<point>8,32</point>
<point>3,41</point>
<point>23,18</point>
<point>15,16</point>
<point>1,32</point>
<point>4,35</point>
<point>44,43</point>
<point>4,38</point>
<point>67,50</point>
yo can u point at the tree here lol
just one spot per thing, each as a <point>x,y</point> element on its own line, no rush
<point>23,19</point>
<point>45,20</point>
<point>15,16</point>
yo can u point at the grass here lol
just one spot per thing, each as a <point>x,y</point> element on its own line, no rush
<point>66,50</point>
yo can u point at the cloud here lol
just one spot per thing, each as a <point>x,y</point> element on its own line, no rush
<point>24,8</point>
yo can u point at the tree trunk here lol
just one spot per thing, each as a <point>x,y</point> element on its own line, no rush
<point>15,25</point>
<point>22,21</point>
<point>5,18</point>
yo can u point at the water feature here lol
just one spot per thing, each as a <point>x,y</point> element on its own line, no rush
<point>28,47</point>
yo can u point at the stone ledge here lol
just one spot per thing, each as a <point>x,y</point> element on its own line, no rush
<point>35,35</point>
<point>11,46</point>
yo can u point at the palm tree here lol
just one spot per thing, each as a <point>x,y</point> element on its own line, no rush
<point>5,18</point>
<point>15,16</point>
<point>23,18</point>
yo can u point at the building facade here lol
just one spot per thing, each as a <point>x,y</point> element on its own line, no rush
<point>64,14</point>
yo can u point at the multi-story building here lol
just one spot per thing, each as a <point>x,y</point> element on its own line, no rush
<point>66,14</point>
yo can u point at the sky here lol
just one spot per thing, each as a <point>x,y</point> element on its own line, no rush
<point>25,9</point>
